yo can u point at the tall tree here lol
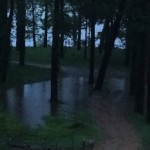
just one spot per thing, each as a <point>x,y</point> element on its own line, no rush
<point>21,21</point>
<point>62,24</point>
<point>45,23</point>
<point>79,27</point>
<point>34,24</point>
<point>55,53</point>
<point>4,46</point>
<point>136,44</point>
<point>92,45</point>
<point>109,44</point>
<point>10,19</point>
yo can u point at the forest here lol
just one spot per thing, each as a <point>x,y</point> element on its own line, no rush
<point>65,83</point>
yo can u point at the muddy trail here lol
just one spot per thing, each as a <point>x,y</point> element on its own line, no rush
<point>109,110</point>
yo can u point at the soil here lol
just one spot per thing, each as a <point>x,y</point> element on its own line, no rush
<point>109,113</point>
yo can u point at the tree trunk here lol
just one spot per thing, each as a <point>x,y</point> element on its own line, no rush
<point>85,43</point>
<point>34,24</point>
<point>55,54</point>
<point>92,49</point>
<point>4,46</point>
<point>109,45</point>
<point>45,24</point>
<point>74,28</point>
<point>140,76</point>
<point>10,20</point>
<point>147,43</point>
<point>148,78</point>
<point>20,45</point>
<point>79,32</point>
<point>103,36</point>
<point>62,29</point>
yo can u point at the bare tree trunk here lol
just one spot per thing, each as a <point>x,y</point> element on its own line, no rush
<point>34,24</point>
<point>103,36</point>
<point>4,46</point>
<point>79,32</point>
<point>20,45</point>
<point>92,49</point>
<point>74,28</point>
<point>45,24</point>
<point>140,76</point>
<point>85,43</point>
<point>109,45</point>
<point>55,54</point>
<point>62,29</point>
<point>10,20</point>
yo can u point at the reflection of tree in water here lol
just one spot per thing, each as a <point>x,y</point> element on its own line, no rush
<point>54,109</point>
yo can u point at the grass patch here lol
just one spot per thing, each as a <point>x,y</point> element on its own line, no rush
<point>63,131</point>
<point>37,55</point>
<point>143,129</point>
<point>28,74</point>
<point>73,57</point>
<point>117,60</point>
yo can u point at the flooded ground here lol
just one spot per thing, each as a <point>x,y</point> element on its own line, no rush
<point>31,102</point>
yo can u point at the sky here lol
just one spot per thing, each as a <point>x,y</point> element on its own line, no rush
<point>68,42</point>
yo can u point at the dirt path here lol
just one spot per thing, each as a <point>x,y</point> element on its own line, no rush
<point>108,112</point>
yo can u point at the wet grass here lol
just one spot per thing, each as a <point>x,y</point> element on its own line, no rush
<point>63,132</point>
<point>73,57</point>
<point>28,74</point>
<point>143,129</point>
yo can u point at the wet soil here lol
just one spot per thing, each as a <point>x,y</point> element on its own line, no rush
<point>109,110</point>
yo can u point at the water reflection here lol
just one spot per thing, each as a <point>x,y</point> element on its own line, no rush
<point>31,102</point>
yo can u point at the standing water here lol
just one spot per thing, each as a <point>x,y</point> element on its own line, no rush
<point>31,102</point>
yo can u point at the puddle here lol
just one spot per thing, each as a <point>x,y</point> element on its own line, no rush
<point>30,102</point>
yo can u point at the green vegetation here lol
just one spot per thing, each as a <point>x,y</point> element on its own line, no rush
<point>143,129</point>
<point>73,57</point>
<point>117,60</point>
<point>28,74</point>
<point>65,132</point>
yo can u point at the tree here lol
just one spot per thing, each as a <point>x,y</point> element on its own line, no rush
<point>55,53</point>
<point>92,45</point>
<point>109,45</point>
<point>45,23</point>
<point>4,46</point>
<point>62,24</point>
<point>136,37</point>
<point>34,23</point>
<point>21,21</point>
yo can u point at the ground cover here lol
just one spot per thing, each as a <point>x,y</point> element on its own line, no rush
<point>57,133</point>
<point>28,74</point>
<point>75,59</point>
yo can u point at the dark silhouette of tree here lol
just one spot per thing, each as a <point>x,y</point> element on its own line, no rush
<point>10,19</point>
<point>136,45</point>
<point>34,24</point>
<point>148,73</point>
<point>79,30</point>
<point>62,25</point>
<point>92,45</point>
<point>109,45</point>
<point>45,23</point>
<point>85,42</point>
<point>4,41</point>
<point>21,22</point>
<point>55,53</point>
